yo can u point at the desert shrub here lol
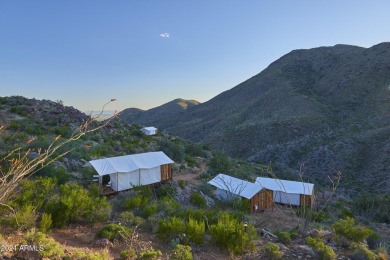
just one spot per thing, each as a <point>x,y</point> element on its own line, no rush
<point>324,252</point>
<point>150,254</point>
<point>168,206</point>
<point>206,188</point>
<point>137,202</point>
<point>128,254</point>
<point>34,192</point>
<point>284,237</point>
<point>181,252</point>
<point>112,231</point>
<point>375,207</point>
<point>373,240</point>
<point>45,223</point>
<point>361,252</point>
<point>345,213</point>
<point>150,210</point>
<point>24,218</point>
<point>181,183</point>
<point>87,172</point>
<point>57,173</point>
<point>168,229</point>
<point>173,150</point>
<point>228,233</point>
<point>195,231</point>
<point>128,219</point>
<point>80,254</point>
<point>145,191</point>
<point>191,162</point>
<point>271,250</point>
<point>76,204</point>
<point>166,190</point>
<point>198,200</point>
<point>312,215</point>
<point>194,150</point>
<point>382,252</point>
<point>348,229</point>
<point>50,248</point>
<point>220,163</point>
<point>241,205</point>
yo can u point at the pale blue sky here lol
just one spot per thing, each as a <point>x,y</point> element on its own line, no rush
<point>87,52</point>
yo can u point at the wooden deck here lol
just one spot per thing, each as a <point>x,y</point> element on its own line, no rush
<point>107,191</point>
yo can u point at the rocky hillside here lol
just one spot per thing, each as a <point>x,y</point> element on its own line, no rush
<point>147,117</point>
<point>326,107</point>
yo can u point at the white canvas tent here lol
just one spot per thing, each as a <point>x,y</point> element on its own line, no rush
<point>132,170</point>
<point>229,187</point>
<point>287,192</point>
<point>150,130</point>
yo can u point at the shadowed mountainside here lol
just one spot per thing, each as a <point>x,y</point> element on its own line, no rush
<point>326,107</point>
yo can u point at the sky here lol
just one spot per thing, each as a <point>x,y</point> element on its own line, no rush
<point>146,53</point>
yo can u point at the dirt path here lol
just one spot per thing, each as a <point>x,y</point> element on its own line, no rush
<point>191,177</point>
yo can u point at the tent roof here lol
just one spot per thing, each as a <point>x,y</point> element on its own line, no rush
<point>295,187</point>
<point>129,163</point>
<point>236,186</point>
<point>150,128</point>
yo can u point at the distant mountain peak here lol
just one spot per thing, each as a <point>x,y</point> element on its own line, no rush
<point>135,115</point>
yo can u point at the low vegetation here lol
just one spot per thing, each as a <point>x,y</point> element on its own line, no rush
<point>178,218</point>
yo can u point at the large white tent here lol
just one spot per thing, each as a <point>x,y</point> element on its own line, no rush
<point>132,170</point>
<point>229,187</point>
<point>287,192</point>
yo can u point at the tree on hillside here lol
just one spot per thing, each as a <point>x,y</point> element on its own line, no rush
<point>17,164</point>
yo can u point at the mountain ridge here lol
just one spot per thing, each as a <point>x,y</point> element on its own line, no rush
<point>324,107</point>
<point>170,108</point>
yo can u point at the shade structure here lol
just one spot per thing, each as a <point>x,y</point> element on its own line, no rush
<point>133,170</point>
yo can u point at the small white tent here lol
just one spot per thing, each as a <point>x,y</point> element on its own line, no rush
<point>150,130</point>
<point>287,192</point>
<point>132,170</point>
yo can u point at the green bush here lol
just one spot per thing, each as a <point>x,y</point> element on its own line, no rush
<point>195,231</point>
<point>271,250</point>
<point>228,233</point>
<point>128,219</point>
<point>166,190</point>
<point>194,150</point>
<point>361,252</point>
<point>112,231</point>
<point>128,254</point>
<point>168,206</point>
<point>373,240</point>
<point>24,218</point>
<point>324,252</point>
<point>75,204</point>
<point>50,248</point>
<point>191,162</point>
<point>284,237</point>
<point>375,207</point>
<point>150,254</point>
<point>197,200</point>
<point>348,229</point>
<point>150,210</point>
<point>45,223</point>
<point>181,183</point>
<point>181,252</point>
<point>173,150</point>
<point>169,229</point>
<point>58,173</point>
<point>220,163</point>
<point>137,202</point>
<point>34,192</point>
